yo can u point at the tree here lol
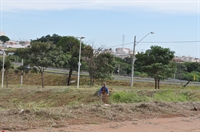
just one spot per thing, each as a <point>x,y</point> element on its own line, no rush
<point>157,63</point>
<point>105,65</point>
<point>89,58</point>
<point>192,66</point>
<point>70,46</point>
<point>24,68</point>
<point>4,38</point>
<point>43,55</point>
<point>101,64</point>
<point>122,66</point>
<point>188,71</point>
<point>48,38</point>
<point>7,66</point>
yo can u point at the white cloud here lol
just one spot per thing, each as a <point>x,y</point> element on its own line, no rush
<point>181,6</point>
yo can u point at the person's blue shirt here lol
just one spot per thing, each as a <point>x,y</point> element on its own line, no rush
<point>103,90</point>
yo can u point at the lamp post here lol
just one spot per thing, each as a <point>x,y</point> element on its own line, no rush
<point>133,57</point>
<point>3,66</point>
<point>79,62</point>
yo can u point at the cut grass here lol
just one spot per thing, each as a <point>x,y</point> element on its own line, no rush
<point>57,96</point>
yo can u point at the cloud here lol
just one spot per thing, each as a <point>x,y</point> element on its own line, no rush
<point>180,6</point>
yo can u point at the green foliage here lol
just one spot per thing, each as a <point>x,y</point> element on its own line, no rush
<point>7,66</point>
<point>188,71</point>
<point>7,63</point>
<point>192,66</point>
<point>123,66</point>
<point>100,65</point>
<point>4,38</point>
<point>170,96</point>
<point>157,62</point>
<point>162,96</point>
<point>190,76</point>
<point>70,46</point>
<point>104,66</point>
<point>141,74</point>
<point>180,69</point>
<point>127,60</point>
<point>48,38</point>
<point>42,55</point>
<point>22,69</point>
<point>127,97</point>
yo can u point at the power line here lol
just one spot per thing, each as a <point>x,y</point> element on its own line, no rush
<point>174,42</point>
<point>120,44</point>
<point>158,42</point>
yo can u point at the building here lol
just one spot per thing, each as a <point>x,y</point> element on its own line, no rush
<point>122,52</point>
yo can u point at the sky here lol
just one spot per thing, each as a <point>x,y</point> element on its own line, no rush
<point>108,23</point>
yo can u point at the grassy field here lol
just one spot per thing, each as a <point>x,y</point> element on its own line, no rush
<point>30,106</point>
<point>56,93</point>
<point>57,96</point>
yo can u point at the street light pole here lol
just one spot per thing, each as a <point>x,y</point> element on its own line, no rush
<point>133,57</point>
<point>3,66</point>
<point>79,62</point>
<point>133,61</point>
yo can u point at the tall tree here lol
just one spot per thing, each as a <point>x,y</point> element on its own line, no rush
<point>48,38</point>
<point>4,38</point>
<point>89,55</point>
<point>70,46</point>
<point>157,62</point>
<point>180,69</point>
<point>100,64</point>
<point>192,66</point>
<point>105,65</point>
<point>43,55</point>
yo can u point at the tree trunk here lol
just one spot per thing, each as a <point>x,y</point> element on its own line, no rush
<point>69,77</point>
<point>42,76</point>
<point>186,84</point>
<point>91,81</point>
<point>155,83</point>
<point>91,78</point>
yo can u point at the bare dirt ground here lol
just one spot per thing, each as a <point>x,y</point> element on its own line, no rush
<point>141,117</point>
<point>176,124</point>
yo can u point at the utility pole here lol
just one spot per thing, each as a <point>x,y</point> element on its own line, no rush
<point>3,69</point>
<point>79,62</point>
<point>133,61</point>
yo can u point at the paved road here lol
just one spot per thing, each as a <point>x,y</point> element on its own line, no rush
<point>124,78</point>
<point>151,80</point>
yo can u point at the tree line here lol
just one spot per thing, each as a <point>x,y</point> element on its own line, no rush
<point>63,52</point>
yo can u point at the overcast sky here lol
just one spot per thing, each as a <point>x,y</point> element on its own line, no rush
<point>110,23</point>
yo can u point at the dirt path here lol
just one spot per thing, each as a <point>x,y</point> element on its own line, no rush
<point>143,117</point>
<point>176,124</point>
